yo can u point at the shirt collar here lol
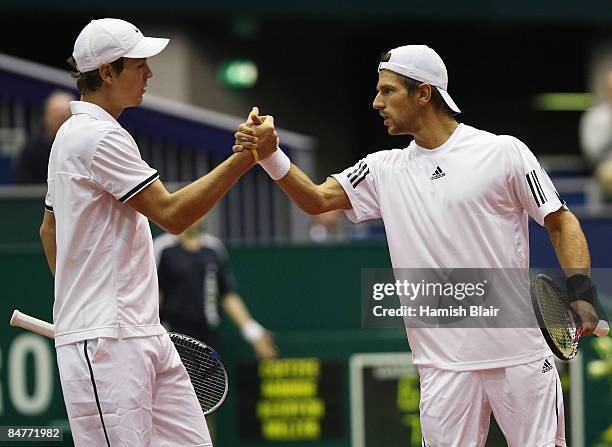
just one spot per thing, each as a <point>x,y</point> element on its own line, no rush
<point>91,109</point>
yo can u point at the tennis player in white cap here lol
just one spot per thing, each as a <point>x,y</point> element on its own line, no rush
<point>456,197</point>
<point>122,379</point>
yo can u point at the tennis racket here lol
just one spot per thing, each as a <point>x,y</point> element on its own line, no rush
<point>559,323</point>
<point>204,366</point>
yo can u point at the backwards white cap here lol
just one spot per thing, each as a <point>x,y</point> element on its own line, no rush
<point>106,40</point>
<point>420,63</point>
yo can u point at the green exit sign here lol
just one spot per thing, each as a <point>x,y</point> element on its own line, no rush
<point>238,73</point>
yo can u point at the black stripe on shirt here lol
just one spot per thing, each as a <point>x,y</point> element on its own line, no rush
<point>138,188</point>
<point>49,208</point>
<point>360,179</point>
<point>358,172</point>
<point>533,193</point>
<point>539,187</point>
<point>357,168</point>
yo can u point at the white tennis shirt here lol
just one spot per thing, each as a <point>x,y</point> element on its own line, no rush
<point>464,204</point>
<point>105,277</point>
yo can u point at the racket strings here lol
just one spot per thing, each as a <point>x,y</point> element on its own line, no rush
<point>205,370</point>
<point>558,319</point>
<point>207,378</point>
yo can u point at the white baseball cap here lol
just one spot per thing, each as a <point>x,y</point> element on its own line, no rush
<point>420,63</point>
<point>106,40</point>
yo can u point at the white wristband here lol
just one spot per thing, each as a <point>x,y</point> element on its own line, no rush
<point>277,164</point>
<point>252,331</point>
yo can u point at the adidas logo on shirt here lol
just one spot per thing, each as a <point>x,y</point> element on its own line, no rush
<point>437,174</point>
<point>547,366</point>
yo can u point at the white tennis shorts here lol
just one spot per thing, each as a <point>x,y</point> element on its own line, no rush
<point>130,392</point>
<point>526,400</point>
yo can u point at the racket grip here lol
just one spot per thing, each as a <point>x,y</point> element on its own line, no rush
<point>602,329</point>
<point>24,321</point>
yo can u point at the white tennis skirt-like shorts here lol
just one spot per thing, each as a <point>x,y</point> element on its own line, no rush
<point>526,400</point>
<point>129,392</point>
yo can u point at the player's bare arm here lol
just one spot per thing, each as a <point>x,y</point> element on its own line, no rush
<point>177,211</point>
<point>573,253</point>
<point>47,235</point>
<point>311,198</point>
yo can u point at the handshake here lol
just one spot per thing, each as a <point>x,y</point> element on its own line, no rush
<point>259,136</point>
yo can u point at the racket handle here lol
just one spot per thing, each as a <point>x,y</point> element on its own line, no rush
<point>602,328</point>
<point>32,324</point>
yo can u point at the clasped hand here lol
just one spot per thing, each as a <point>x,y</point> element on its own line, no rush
<point>257,133</point>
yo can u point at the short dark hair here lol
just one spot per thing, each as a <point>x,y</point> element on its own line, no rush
<point>412,85</point>
<point>90,80</point>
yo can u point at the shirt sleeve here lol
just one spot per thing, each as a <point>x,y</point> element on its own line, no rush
<point>118,167</point>
<point>359,183</point>
<point>534,190</point>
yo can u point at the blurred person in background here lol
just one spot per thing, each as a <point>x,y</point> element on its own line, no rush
<point>195,277</point>
<point>195,280</point>
<point>596,137</point>
<point>31,164</point>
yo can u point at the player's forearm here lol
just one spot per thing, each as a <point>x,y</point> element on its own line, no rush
<point>309,197</point>
<point>188,204</point>
<point>573,254</point>
<point>570,246</point>
<point>50,253</point>
<point>47,236</point>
